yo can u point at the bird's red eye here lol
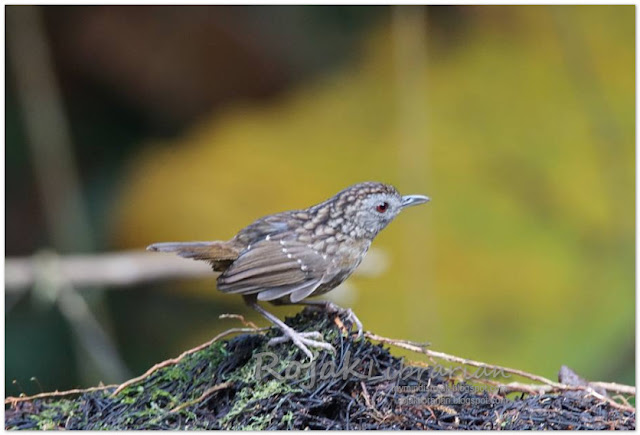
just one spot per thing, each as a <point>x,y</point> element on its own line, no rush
<point>382,207</point>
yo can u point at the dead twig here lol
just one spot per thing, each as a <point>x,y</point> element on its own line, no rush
<point>610,401</point>
<point>247,323</point>
<point>617,388</point>
<point>12,400</point>
<point>622,399</point>
<point>203,396</point>
<point>367,400</point>
<point>176,360</point>
<point>440,355</point>
<point>548,386</point>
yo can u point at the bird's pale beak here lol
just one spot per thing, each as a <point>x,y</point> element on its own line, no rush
<point>409,200</point>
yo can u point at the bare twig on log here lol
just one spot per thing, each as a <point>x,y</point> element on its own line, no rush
<point>420,349</point>
<point>547,387</point>
<point>119,388</point>
<point>12,400</point>
<point>173,361</point>
<point>612,386</point>
<point>514,386</point>
<point>247,323</point>
<point>204,395</point>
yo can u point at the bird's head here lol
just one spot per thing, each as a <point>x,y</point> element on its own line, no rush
<point>372,205</point>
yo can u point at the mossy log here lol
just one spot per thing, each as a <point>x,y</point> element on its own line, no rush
<point>241,383</point>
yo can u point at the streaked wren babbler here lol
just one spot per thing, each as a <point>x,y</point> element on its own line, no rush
<point>287,257</point>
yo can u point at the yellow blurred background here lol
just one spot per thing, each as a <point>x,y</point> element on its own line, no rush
<point>518,122</point>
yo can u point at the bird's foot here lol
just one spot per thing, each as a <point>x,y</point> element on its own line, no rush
<point>351,316</point>
<point>330,307</point>
<point>303,340</point>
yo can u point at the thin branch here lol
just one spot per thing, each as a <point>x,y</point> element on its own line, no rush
<point>610,401</point>
<point>12,400</point>
<point>542,389</point>
<point>549,386</point>
<point>420,349</point>
<point>612,386</point>
<point>176,360</point>
<point>623,399</point>
<point>514,386</point>
<point>119,388</point>
<point>247,323</point>
<point>204,395</point>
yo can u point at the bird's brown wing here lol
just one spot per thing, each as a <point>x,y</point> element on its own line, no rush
<point>273,269</point>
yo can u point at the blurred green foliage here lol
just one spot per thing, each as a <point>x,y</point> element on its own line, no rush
<point>525,257</point>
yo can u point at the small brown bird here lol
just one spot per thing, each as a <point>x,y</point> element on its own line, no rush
<point>287,257</point>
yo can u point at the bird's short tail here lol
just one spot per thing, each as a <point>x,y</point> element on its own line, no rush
<point>218,253</point>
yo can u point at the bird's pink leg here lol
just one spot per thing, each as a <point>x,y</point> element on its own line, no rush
<point>303,340</point>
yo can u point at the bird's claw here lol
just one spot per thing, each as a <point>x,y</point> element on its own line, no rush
<point>348,313</point>
<point>303,340</point>
<point>354,319</point>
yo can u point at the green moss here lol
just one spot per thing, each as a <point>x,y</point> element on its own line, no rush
<point>152,403</point>
<point>244,374</point>
<point>162,394</point>
<point>245,402</point>
<point>53,414</point>
<point>287,420</point>
<point>258,422</point>
<point>248,400</point>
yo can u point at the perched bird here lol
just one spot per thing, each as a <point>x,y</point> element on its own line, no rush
<point>287,257</point>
